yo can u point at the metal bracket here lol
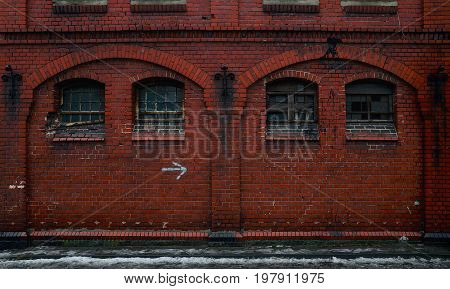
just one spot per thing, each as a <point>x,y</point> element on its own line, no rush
<point>12,80</point>
<point>225,76</point>
<point>438,80</point>
<point>332,47</point>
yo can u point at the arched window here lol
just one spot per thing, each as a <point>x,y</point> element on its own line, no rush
<point>82,102</point>
<point>159,106</point>
<point>369,101</point>
<point>291,105</point>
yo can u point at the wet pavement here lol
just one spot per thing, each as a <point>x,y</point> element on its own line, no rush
<point>306,254</point>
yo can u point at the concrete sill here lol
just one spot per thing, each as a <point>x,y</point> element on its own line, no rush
<point>157,137</point>
<point>78,138</point>
<point>158,8</point>
<point>79,9</point>
<point>371,137</point>
<point>370,9</point>
<point>301,137</point>
<point>290,8</point>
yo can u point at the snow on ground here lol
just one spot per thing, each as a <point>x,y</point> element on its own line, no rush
<point>305,255</point>
<point>199,262</point>
<point>219,257</point>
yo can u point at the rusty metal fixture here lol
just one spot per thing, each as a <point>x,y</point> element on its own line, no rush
<point>12,80</point>
<point>332,47</point>
<point>226,78</point>
<point>438,80</point>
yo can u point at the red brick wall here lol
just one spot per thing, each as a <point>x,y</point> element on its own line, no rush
<point>70,180</point>
<point>13,14</point>
<point>436,14</point>
<point>213,14</point>
<point>333,183</point>
<point>67,181</point>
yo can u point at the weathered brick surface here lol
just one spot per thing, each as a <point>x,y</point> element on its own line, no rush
<point>300,185</point>
<point>237,179</point>
<point>436,14</point>
<point>81,177</point>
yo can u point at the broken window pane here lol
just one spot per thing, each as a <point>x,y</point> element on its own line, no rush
<point>82,102</point>
<point>163,110</point>
<point>290,104</point>
<point>369,100</point>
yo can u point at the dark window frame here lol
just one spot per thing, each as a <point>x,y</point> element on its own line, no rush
<point>160,117</point>
<point>380,89</point>
<point>290,108</point>
<point>71,87</point>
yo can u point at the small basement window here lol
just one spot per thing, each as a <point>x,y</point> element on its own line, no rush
<point>291,107</point>
<point>159,106</point>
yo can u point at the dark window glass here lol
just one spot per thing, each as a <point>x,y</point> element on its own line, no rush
<point>369,100</point>
<point>82,102</point>
<point>290,104</point>
<point>159,106</point>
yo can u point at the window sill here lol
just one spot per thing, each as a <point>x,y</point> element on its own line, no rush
<point>78,138</point>
<point>291,8</point>
<point>362,9</point>
<point>158,8</point>
<point>157,137</point>
<point>371,137</point>
<point>371,131</point>
<point>301,137</point>
<point>79,9</point>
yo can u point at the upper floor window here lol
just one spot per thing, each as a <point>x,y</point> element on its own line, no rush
<point>80,2</point>
<point>159,106</point>
<point>158,6</point>
<point>291,6</point>
<point>369,100</point>
<point>291,2</point>
<point>82,102</point>
<point>291,105</point>
<point>369,6</point>
<point>79,6</point>
<point>157,2</point>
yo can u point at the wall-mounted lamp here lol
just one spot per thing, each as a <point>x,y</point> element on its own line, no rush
<point>332,47</point>
<point>438,80</point>
<point>226,77</point>
<point>12,80</point>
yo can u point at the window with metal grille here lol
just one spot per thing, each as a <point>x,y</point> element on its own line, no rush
<point>291,105</point>
<point>82,102</point>
<point>159,106</point>
<point>369,101</point>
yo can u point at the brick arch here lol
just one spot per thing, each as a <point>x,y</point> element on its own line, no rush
<point>292,57</point>
<point>369,75</point>
<point>103,52</point>
<point>69,75</point>
<point>98,53</point>
<point>293,74</point>
<point>157,73</point>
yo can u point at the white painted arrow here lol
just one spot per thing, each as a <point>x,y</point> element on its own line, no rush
<point>178,167</point>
